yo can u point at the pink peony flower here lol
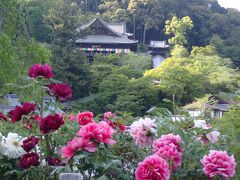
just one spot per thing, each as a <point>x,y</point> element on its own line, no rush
<point>219,163</point>
<point>169,148</point>
<point>51,123</point>
<point>168,139</point>
<point>85,118</point>
<point>101,132</point>
<point>106,133</point>
<point>71,117</point>
<point>108,116</point>
<point>153,168</point>
<point>142,131</point>
<point>41,70</point>
<point>75,145</point>
<point>62,91</point>
<point>170,153</point>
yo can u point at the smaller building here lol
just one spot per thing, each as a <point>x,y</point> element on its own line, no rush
<point>158,47</point>
<point>214,110</point>
<point>105,38</point>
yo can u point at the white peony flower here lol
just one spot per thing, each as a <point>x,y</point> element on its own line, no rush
<point>201,124</point>
<point>11,146</point>
<point>1,145</point>
<point>213,136</point>
<point>142,131</point>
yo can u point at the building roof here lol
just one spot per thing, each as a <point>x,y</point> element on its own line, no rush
<point>118,27</point>
<point>103,39</point>
<point>105,33</point>
<point>199,105</point>
<point>203,105</point>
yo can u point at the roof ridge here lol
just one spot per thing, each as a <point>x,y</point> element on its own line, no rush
<point>103,22</point>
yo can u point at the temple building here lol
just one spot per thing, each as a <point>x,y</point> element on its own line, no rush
<point>105,38</point>
<point>158,48</point>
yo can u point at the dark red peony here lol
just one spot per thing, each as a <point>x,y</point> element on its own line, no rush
<point>51,123</point>
<point>28,160</point>
<point>2,117</point>
<point>41,70</point>
<point>28,107</point>
<point>17,113</point>
<point>54,161</point>
<point>30,143</point>
<point>62,91</point>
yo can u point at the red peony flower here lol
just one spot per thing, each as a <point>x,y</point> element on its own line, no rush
<point>28,160</point>
<point>153,168</point>
<point>28,107</point>
<point>54,161</point>
<point>62,91</point>
<point>2,117</point>
<point>219,163</point>
<point>30,143</point>
<point>41,70</point>
<point>85,118</point>
<point>77,144</point>
<point>17,113</point>
<point>51,123</point>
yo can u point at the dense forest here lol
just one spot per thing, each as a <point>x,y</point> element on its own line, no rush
<point>43,31</point>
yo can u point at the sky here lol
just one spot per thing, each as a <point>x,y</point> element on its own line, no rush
<point>230,3</point>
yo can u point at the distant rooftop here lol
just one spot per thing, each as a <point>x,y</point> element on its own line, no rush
<point>105,33</point>
<point>103,39</point>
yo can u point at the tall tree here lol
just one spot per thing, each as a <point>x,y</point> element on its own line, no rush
<point>70,64</point>
<point>147,14</point>
<point>178,28</point>
<point>113,11</point>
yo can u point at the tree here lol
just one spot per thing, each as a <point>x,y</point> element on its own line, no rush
<point>138,97</point>
<point>202,72</point>
<point>113,11</point>
<point>17,50</point>
<point>178,28</point>
<point>70,64</point>
<point>146,13</point>
<point>110,88</point>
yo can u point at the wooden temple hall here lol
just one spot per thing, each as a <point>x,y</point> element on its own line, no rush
<point>105,38</point>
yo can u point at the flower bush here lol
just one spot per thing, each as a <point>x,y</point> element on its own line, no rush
<point>37,140</point>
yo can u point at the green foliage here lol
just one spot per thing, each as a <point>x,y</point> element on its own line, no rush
<point>179,29</point>
<point>113,11</point>
<point>138,96</point>
<point>109,89</point>
<point>230,125</point>
<point>189,77</point>
<point>147,14</point>
<point>69,63</point>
